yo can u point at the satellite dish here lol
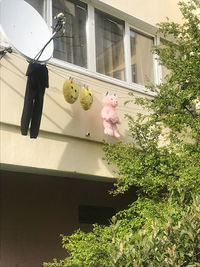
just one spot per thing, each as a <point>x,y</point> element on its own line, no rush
<point>25,29</point>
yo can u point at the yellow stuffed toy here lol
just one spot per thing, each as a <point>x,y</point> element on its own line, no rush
<point>86,97</point>
<point>70,91</point>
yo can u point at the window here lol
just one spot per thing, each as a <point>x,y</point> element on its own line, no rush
<point>165,71</point>
<point>102,43</point>
<point>109,45</point>
<point>94,214</point>
<point>141,58</point>
<point>37,4</point>
<point>72,46</point>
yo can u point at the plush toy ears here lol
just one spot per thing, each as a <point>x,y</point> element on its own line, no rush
<point>71,79</point>
<point>107,93</point>
<point>86,86</point>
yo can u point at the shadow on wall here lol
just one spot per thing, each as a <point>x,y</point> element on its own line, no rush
<point>19,87</point>
<point>56,112</point>
<point>61,121</point>
<point>22,96</point>
<point>83,153</point>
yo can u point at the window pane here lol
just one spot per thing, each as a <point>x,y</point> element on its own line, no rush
<point>109,45</point>
<point>165,71</point>
<point>141,59</point>
<point>72,47</point>
<point>37,4</point>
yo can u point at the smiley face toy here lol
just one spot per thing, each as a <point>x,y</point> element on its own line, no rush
<point>70,91</point>
<point>86,97</point>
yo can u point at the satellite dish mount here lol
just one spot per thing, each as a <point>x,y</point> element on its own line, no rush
<point>59,27</point>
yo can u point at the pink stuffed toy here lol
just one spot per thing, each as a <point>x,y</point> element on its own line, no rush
<point>109,115</point>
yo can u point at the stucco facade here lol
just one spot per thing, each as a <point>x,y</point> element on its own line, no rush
<point>152,12</point>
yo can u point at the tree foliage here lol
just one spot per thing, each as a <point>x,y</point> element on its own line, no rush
<point>162,227</point>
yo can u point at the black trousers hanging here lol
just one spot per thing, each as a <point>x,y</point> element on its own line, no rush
<point>33,102</point>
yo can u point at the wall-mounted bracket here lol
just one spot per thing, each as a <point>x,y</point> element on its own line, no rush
<point>4,50</point>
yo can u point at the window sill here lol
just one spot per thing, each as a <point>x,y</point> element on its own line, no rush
<point>71,67</point>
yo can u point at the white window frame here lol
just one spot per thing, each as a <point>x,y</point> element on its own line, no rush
<point>156,71</point>
<point>130,23</point>
<point>127,53</point>
<point>48,13</point>
<point>90,37</point>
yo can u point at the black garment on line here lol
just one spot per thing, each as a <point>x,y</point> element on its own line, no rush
<point>37,81</point>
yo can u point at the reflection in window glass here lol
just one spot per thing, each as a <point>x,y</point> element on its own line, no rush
<point>165,71</point>
<point>141,59</point>
<point>37,4</point>
<point>109,45</point>
<point>72,47</point>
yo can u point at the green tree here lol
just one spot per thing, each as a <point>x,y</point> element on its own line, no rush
<point>162,161</point>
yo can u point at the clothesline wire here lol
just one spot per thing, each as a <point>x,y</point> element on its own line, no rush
<point>80,82</point>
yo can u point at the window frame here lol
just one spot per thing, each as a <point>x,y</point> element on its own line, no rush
<point>131,22</point>
<point>114,20</point>
<point>155,38</point>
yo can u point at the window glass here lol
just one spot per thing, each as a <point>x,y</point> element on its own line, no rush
<point>109,45</point>
<point>37,4</point>
<point>165,71</point>
<point>72,46</point>
<point>141,58</point>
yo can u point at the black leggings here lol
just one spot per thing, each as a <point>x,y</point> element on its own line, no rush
<point>33,102</point>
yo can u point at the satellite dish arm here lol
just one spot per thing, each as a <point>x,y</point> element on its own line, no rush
<point>4,51</point>
<point>36,58</point>
<point>58,27</point>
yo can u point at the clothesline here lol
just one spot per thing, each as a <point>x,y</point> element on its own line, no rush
<point>81,81</point>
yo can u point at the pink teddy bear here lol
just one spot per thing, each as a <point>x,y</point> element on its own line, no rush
<point>109,115</point>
